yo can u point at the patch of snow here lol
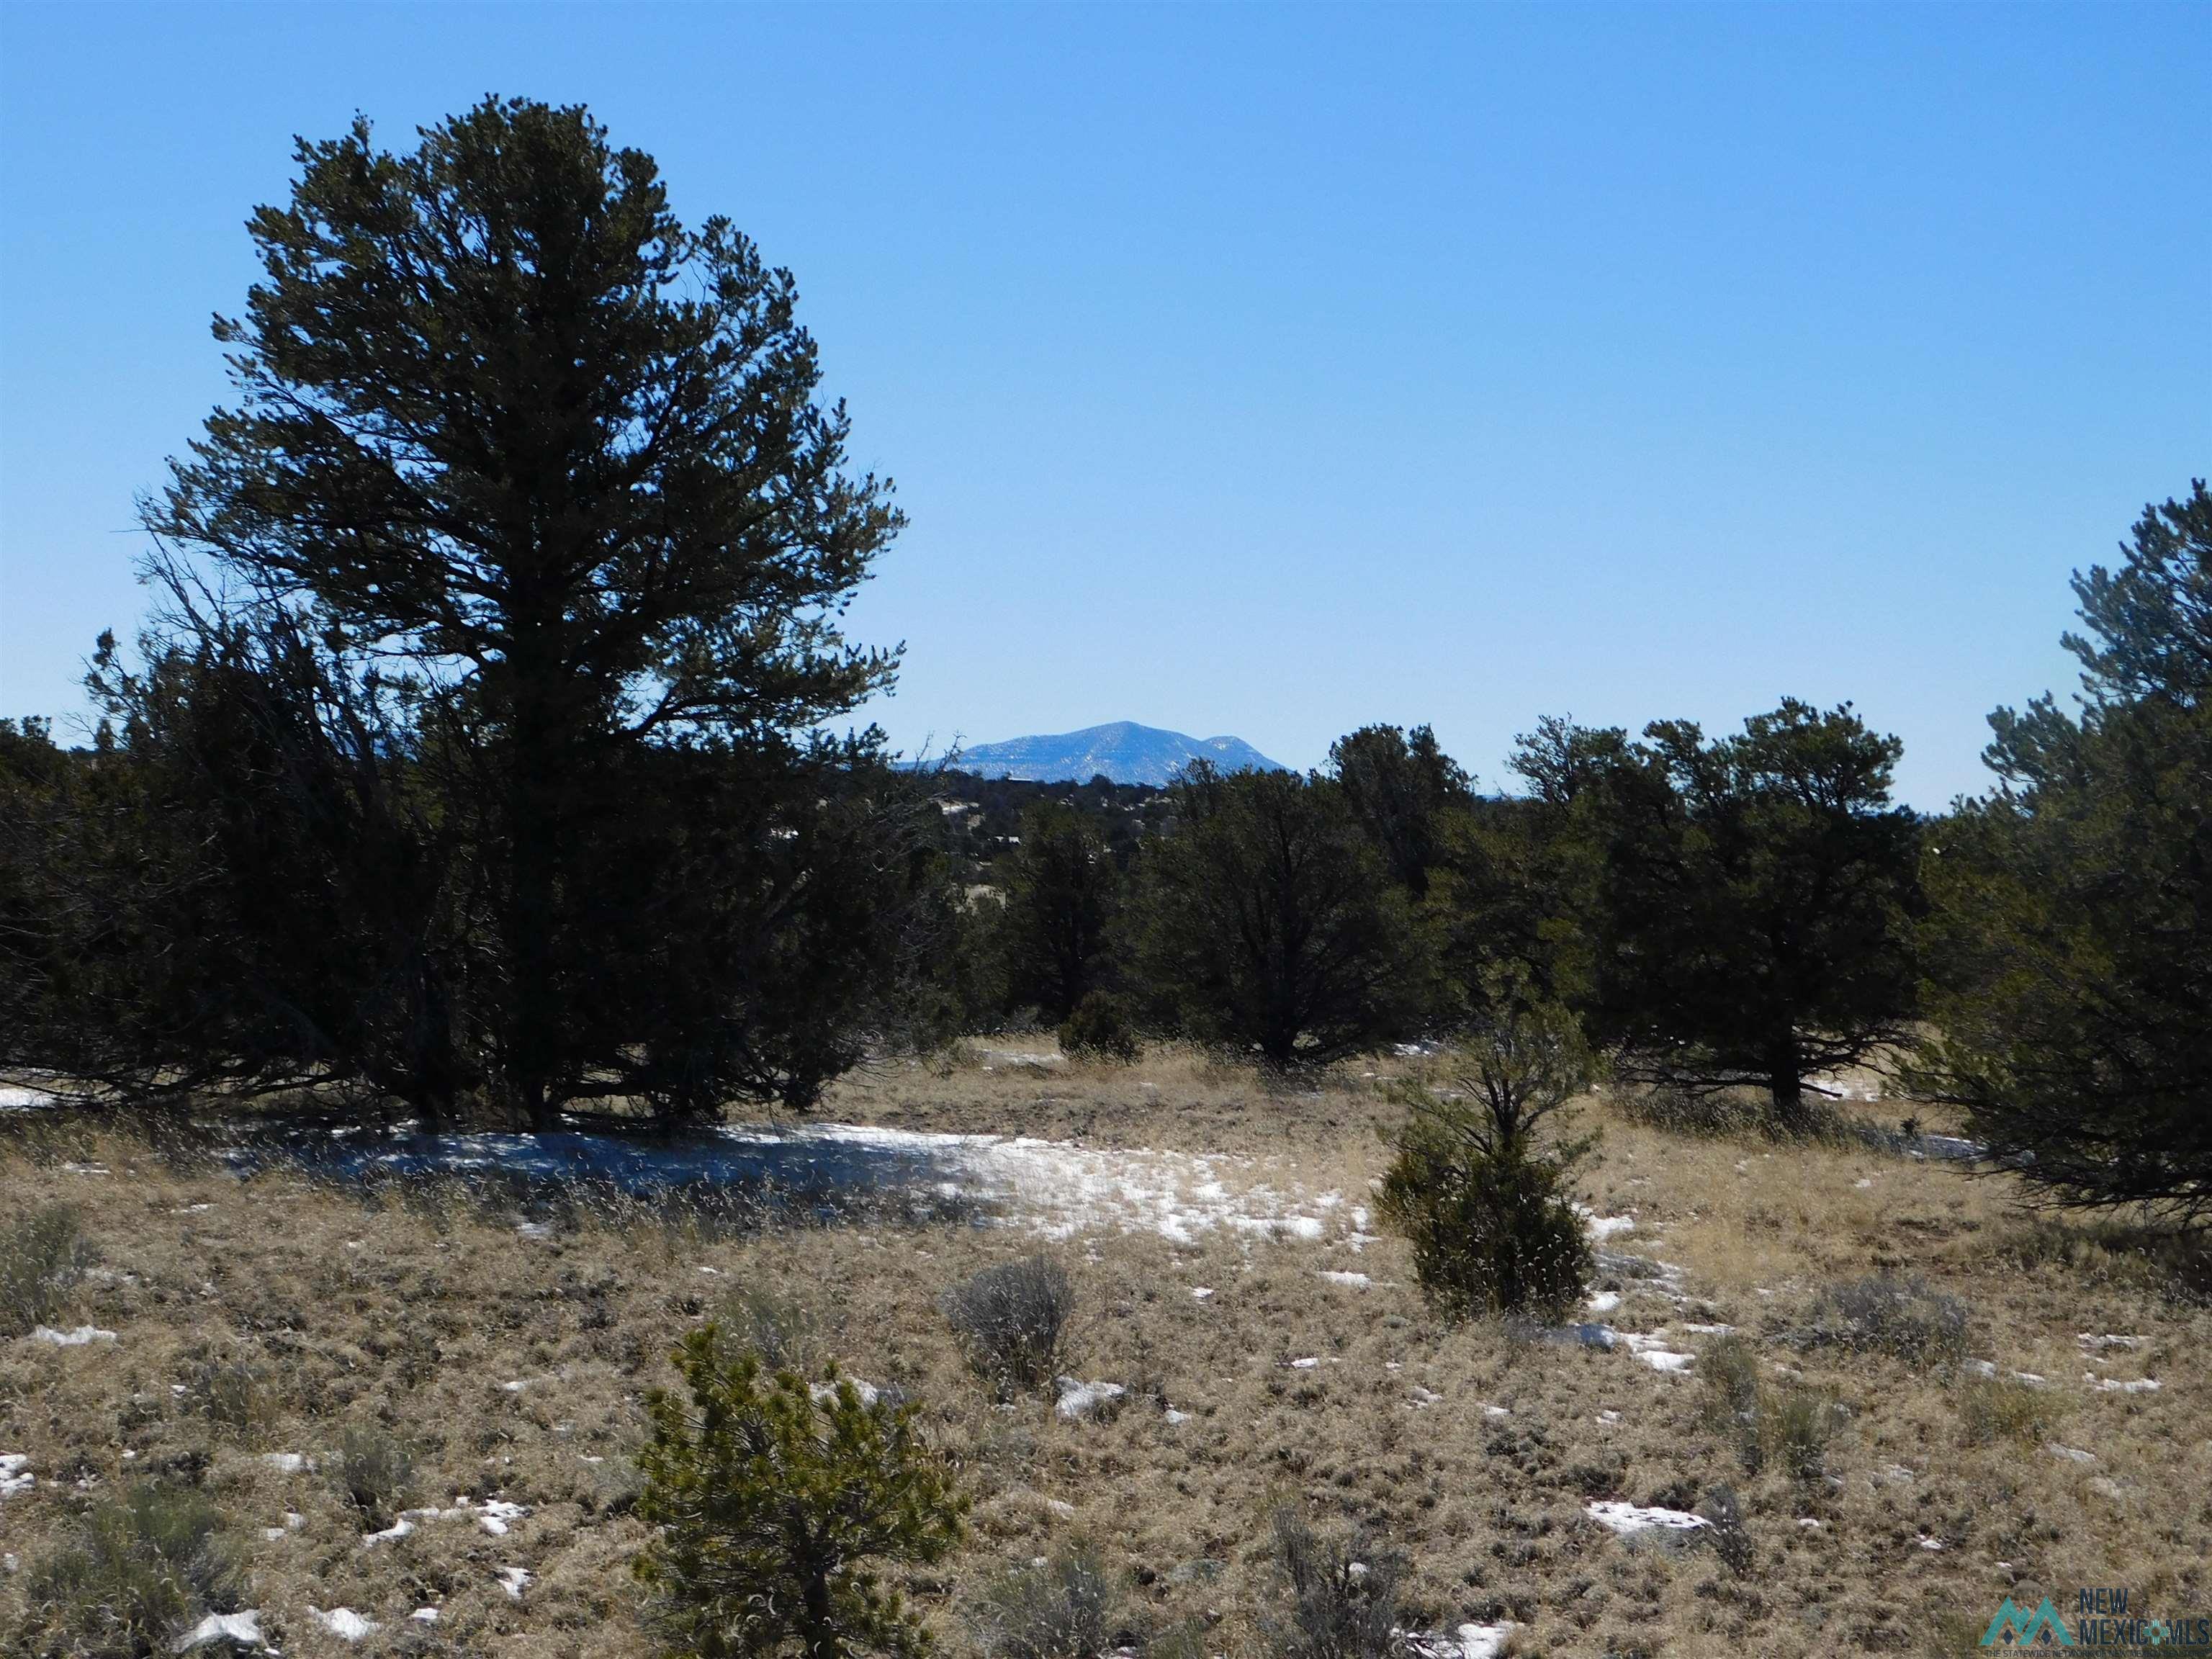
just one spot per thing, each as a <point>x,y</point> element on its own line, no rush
<point>1304,1365</point>
<point>514,1385</point>
<point>1201,1293</point>
<point>424,1615</point>
<point>1354,1281</point>
<point>825,1394</point>
<point>1079,1399</point>
<point>1651,1348</point>
<point>514,1581</point>
<point>1608,1416</point>
<point>1468,1642</point>
<point>1602,1227</point>
<point>235,1629</point>
<point>1053,1188</point>
<point>80,1337</point>
<point>495,1514</point>
<point>1862,1184</point>
<point>1711,1330</point>
<point>399,1528</point>
<point>1422,1396</point>
<point>1174,1416</point>
<point>285,1462</point>
<point>15,1097</point>
<point>14,1474</point>
<point>1603,1302</point>
<point>2071,1453</point>
<point>1808,1523</point>
<point>1928,1543</point>
<point>1625,1520</point>
<point>344,1623</point>
<point>2091,1339</point>
<point>1496,1411</point>
<point>2113,1385</point>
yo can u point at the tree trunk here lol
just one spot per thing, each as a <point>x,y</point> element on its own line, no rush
<point>533,828</point>
<point>1786,1086</point>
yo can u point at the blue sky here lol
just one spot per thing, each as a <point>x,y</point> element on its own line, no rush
<point>1275,370</point>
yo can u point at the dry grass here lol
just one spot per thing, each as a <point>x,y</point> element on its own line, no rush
<point>512,1367</point>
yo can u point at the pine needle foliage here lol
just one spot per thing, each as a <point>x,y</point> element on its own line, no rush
<point>773,1499</point>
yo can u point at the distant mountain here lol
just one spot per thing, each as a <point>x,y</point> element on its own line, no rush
<point>1124,751</point>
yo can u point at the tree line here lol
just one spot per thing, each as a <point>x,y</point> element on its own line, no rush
<point>479,757</point>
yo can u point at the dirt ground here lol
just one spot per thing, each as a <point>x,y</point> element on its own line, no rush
<point>511,1356</point>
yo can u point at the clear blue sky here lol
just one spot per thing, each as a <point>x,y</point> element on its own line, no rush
<point>1273,371</point>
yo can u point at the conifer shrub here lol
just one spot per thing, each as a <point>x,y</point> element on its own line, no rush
<point>1102,1028</point>
<point>771,1502</point>
<point>1011,1318</point>
<point>1491,1232</point>
<point>140,1571</point>
<point>1477,1187</point>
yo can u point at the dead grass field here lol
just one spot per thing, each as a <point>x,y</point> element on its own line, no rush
<point>513,1365</point>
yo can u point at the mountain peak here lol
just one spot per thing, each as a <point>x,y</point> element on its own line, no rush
<point>1122,751</point>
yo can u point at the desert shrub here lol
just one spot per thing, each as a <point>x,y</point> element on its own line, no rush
<point>375,1472</point>
<point>769,1504</point>
<point>1102,1028</point>
<point>1067,1607</point>
<point>1725,1531</point>
<point>1732,1403</point>
<point>1796,1425</point>
<point>1336,1593</point>
<point>140,1571</point>
<point>40,1257</point>
<point>1012,1319</point>
<point>235,1395</point>
<point>2004,1408</point>
<point>777,1328</point>
<point>1902,1318</point>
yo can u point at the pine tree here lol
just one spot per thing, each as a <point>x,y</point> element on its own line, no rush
<point>512,436</point>
<point>2072,939</point>
<point>1270,923</point>
<point>1748,902</point>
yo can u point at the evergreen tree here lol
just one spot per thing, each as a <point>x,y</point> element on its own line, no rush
<point>1748,902</point>
<point>514,438</point>
<point>2072,937</point>
<point>1272,924</point>
<point>240,886</point>
<point>1062,892</point>
<point>1401,786</point>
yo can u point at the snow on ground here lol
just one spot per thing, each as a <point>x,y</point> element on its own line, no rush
<point>15,1097</point>
<point>14,1474</point>
<point>1469,1642</point>
<point>1628,1519</point>
<point>493,1514</point>
<point>1055,1188</point>
<point>344,1623</point>
<point>232,1629</point>
<point>514,1581</point>
<point>80,1336</point>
